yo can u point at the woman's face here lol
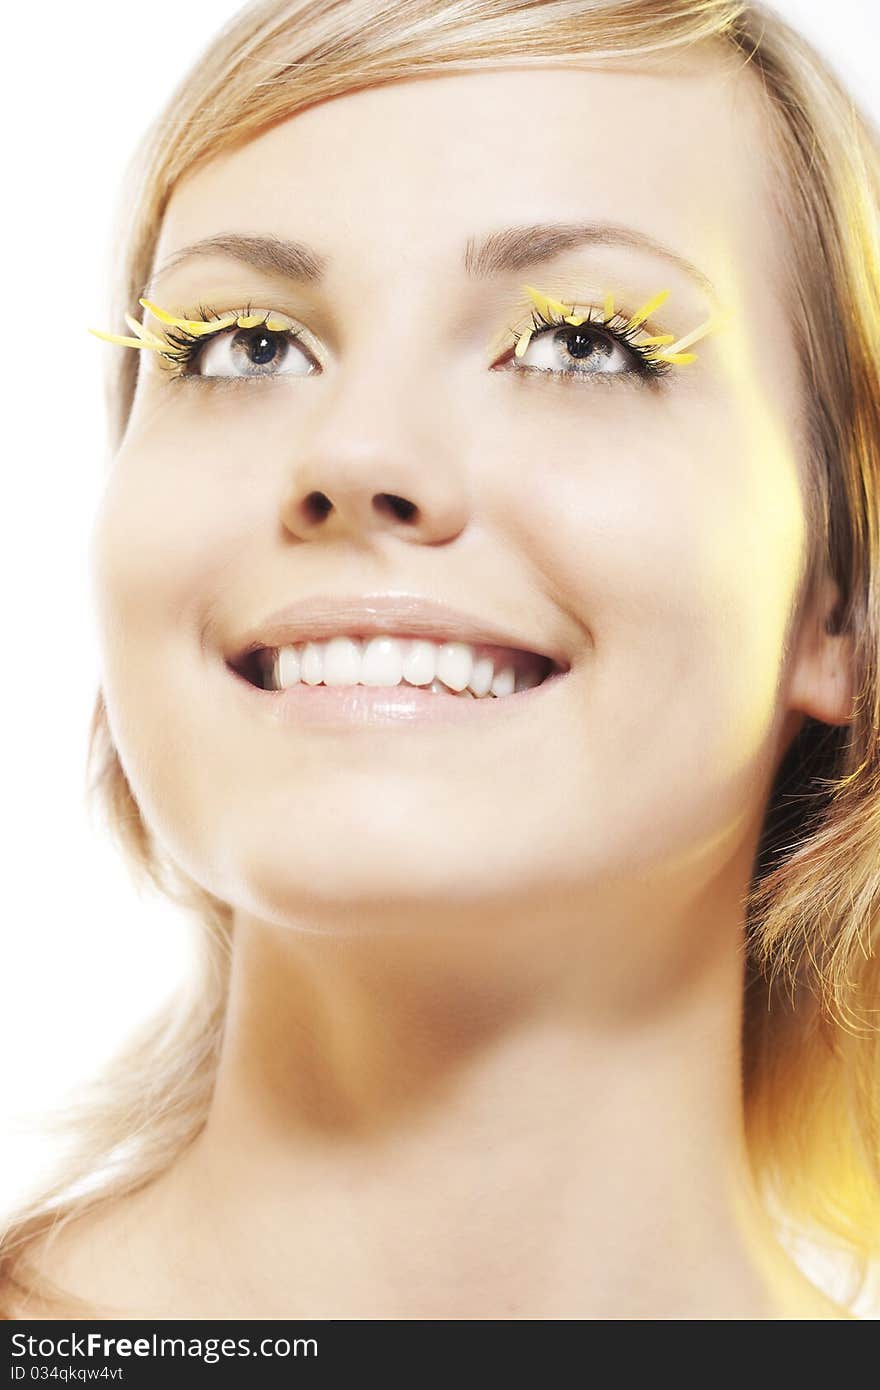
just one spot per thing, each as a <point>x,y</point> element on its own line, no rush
<point>653,534</point>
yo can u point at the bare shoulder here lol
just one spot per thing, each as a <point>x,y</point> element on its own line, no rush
<point>81,1269</point>
<point>39,1286</point>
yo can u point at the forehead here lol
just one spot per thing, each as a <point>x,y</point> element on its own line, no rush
<point>396,178</point>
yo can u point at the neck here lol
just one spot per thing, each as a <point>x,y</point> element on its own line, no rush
<point>532,1113</point>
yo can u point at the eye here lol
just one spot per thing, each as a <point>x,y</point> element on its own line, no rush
<point>585,349</point>
<point>238,345</point>
<point>250,352</point>
<point>270,344</point>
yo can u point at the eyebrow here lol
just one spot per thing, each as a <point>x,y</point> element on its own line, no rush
<point>499,253</point>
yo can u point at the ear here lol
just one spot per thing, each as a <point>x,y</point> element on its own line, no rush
<point>822,680</point>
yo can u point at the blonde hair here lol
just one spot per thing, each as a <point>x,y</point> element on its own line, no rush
<point>811,1053</point>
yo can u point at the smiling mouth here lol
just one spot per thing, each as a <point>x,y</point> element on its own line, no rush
<point>465,670</point>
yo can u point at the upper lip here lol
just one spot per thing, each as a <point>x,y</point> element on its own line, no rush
<point>320,616</point>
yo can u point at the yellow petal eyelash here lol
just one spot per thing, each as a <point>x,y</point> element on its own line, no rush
<point>128,342</point>
<point>714,321</point>
<point>194,326</point>
<point>547,306</point>
<point>145,338</point>
<point>198,327</point>
<point>648,308</point>
<point>577,319</point>
<point>522,342</point>
<point>141,332</point>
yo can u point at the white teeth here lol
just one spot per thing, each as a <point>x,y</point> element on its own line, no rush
<point>504,681</point>
<point>312,668</point>
<point>440,688</point>
<point>443,667</point>
<point>420,663</point>
<point>288,663</point>
<point>481,679</point>
<point>342,661</point>
<point>382,662</point>
<point>455,663</point>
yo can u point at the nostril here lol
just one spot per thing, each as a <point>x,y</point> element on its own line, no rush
<point>317,505</point>
<point>399,507</point>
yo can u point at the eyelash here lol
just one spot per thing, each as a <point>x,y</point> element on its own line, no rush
<point>185,347</point>
<point>616,327</point>
<point>180,347</point>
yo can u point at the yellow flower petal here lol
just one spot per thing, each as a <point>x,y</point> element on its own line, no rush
<point>144,333</point>
<point>161,314</point>
<point>251,320</point>
<point>712,323</point>
<point>648,308</point>
<point>523,342</point>
<point>126,342</point>
<point>199,327</point>
<point>657,340</point>
<point>608,310</point>
<point>547,306</point>
<point>193,326</point>
<point>679,357</point>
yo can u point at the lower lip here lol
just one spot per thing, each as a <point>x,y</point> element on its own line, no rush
<point>353,706</point>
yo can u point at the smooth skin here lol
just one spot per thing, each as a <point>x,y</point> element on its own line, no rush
<point>482,1056</point>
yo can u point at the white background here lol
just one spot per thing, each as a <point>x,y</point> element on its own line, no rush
<point>83,957</point>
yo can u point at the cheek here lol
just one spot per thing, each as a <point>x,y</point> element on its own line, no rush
<point>167,539</point>
<point>675,535</point>
<point>174,513</point>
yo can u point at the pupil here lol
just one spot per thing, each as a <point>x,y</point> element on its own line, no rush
<point>582,344</point>
<point>263,349</point>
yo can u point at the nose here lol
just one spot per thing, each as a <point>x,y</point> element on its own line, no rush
<point>375,459</point>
